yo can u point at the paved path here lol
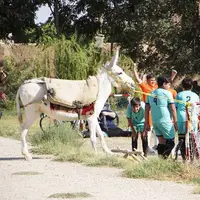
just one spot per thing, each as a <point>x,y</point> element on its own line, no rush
<point>102,183</point>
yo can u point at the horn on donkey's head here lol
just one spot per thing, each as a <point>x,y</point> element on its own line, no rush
<point>116,56</point>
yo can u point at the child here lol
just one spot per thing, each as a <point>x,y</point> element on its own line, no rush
<point>135,115</point>
<point>163,110</point>
<point>185,96</point>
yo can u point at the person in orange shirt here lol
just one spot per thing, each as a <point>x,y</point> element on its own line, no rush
<point>174,93</point>
<point>147,87</point>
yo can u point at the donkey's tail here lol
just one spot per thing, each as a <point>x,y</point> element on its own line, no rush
<point>19,114</point>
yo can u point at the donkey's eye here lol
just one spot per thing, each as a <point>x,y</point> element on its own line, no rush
<point>119,73</point>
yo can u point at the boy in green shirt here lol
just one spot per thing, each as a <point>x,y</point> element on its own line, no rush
<point>135,115</point>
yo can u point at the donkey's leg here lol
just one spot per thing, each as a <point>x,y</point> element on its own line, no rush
<point>31,116</point>
<point>92,128</point>
<point>102,139</point>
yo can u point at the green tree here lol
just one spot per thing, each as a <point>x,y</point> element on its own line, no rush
<point>61,15</point>
<point>74,61</point>
<point>15,17</point>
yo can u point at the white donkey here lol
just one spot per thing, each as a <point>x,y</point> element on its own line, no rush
<point>33,93</point>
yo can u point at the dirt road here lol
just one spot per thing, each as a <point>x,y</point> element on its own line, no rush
<point>54,177</point>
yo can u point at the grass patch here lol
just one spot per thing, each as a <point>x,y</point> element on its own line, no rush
<point>70,195</point>
<point>196,181</point>
<point>10,126</point>
<point>56,140</point>
<point>196,190</point>
<point>92,159</point>
<point>122,119</point>
<point>156,169</point>
<point>27,173</point>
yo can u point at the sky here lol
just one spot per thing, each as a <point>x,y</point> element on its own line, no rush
<point>42,14</point>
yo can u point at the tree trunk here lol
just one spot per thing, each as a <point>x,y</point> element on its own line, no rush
<point>56,17</point>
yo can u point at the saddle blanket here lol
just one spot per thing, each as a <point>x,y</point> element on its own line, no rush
<point>85,111</point>
<point>72,93</point>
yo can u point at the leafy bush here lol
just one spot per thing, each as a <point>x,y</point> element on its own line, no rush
<point>75,61</point>
<point>18,72</point>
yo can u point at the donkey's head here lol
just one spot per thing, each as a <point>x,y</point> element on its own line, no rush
<point>117,74</point>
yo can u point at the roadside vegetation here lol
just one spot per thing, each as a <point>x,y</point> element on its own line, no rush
<point>66,145</point>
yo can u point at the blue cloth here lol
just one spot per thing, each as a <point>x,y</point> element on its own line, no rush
<point>139,128</point>
<point>165,129</point>
<point>184,97</point>
<point>137,118</point>
<point>107,122</point>
<point>182,127</point>
<point>159,101</point>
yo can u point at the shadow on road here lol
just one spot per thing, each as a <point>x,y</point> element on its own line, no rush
<point>17,158</point>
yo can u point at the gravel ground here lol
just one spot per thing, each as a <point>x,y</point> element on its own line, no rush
<point>102,183</point>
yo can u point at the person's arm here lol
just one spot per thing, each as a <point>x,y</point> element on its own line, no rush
<point>172,108</point>
<point>174,115</point>
<point>129,118</point>
<point>173,74</point>
<point>147,110</point>
<point>135,74</point>
<point>144,77</point>
<point>130,123</point>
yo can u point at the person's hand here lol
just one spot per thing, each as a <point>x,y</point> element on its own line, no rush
<point>147,127</point>
<point>176,126</point>
<point>144,134</point>
<point>173,74</point>
<point>134,134</point>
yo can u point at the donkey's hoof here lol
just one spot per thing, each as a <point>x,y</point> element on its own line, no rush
<point>108,151</point>
<point>28,157</point>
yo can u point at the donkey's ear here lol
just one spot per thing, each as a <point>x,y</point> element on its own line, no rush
<point>114,59</point>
